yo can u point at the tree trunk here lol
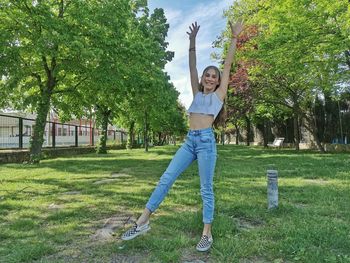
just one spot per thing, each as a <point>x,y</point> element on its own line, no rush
<point>163,140</point>
<point>318,143</point>
<point>330,131</point>
<point>37,139</point>
<point>153,138</point>
<point>146,132</point>
<point>237,134</point>
<point>160,141</point>
<point>130,142</point>
<point>223,137</point>
<point>266,133</point>
<point>296,129</point>
<point>248,130</point>
<point>312,128</point>
<point>43,107</point>
<point>102,149</point>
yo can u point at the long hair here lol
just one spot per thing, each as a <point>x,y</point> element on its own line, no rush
<point>221,117</point>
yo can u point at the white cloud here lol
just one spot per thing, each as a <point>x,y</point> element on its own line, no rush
<point>181,83</point>
<point>173,15</point>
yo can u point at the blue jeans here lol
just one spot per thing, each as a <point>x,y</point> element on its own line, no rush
<point>199,145</point>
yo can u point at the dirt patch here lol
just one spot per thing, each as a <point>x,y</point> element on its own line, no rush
<point>105,181</point>
<point>248,223</point>
<point>186,209</point>
<point>300,205</point>
<point>262,260</point>
<point>111,225</point>
<point>54,206</point>
<point>194,261</point>
<point>256,260</point>
<point>68,254</point>
<point>72,193</point>
<point>316,181</point>
<point>125,170</point>
<point>119,175</point>
<point>190,255</point>
<point>128,259</point>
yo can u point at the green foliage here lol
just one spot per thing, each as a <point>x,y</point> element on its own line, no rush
<point>299,52</point>
<point>84,58</point>
<point>150,100</point>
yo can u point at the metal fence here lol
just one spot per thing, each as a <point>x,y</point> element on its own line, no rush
<point>15,132</point>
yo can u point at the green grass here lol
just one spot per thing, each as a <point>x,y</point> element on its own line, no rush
<point>311,224</point>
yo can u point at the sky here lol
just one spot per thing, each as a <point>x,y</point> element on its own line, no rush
<point>180,15</point>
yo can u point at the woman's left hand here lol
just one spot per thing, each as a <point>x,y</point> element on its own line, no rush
<point>237,28</point>
<point>193,31</point>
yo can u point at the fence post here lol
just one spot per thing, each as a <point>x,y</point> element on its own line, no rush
<point>20,133</point>
<point>76,136</point>
<point>53,135</point>
<point>92,136</point>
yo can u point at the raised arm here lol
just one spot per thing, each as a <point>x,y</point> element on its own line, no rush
<point>236,30</point>
<point>192,58</point>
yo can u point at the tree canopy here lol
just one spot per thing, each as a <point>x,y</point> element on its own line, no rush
<point>78,57</point>
<point>295,52</point>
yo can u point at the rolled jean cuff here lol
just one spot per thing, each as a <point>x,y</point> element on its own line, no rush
<point>206,221</point>
<point>151,209</point>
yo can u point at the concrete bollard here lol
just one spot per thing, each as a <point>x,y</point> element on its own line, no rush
<point>272,189</point>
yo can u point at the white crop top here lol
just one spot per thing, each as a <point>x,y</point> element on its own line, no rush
<point>208,104</point>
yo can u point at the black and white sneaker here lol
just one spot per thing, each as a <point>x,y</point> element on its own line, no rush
<point>135,231</point>
<point>204,244</point>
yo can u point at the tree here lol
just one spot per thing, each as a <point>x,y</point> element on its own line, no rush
<point>240,101</point>
<point>290,51</point>
<point>151,92</point>
<point>48,49</point>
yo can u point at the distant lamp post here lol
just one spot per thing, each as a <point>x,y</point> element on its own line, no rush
<point>341,123</point>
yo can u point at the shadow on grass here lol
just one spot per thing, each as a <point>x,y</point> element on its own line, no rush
<point>177,230</point>
<point>303,218</point>
<point>252,160</point>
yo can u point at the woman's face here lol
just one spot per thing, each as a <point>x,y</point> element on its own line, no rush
<point>210,80</point>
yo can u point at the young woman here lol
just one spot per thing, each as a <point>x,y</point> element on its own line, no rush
<point>200,144</point>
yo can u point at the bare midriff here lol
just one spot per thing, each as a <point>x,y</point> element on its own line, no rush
<point>200,121</point>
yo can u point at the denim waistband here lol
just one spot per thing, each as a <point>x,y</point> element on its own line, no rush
<point>201,131</point>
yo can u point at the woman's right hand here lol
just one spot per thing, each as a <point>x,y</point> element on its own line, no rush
<point>193,30</point>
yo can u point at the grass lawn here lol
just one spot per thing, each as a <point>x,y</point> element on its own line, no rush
<point>57,211</point>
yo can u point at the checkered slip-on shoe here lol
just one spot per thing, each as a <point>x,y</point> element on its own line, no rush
<point>204,244</point>
<point>135,231</point>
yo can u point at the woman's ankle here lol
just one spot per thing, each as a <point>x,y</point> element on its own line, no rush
<point>144,218</point>
<point>207,230</point>
<point>141,222</point>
